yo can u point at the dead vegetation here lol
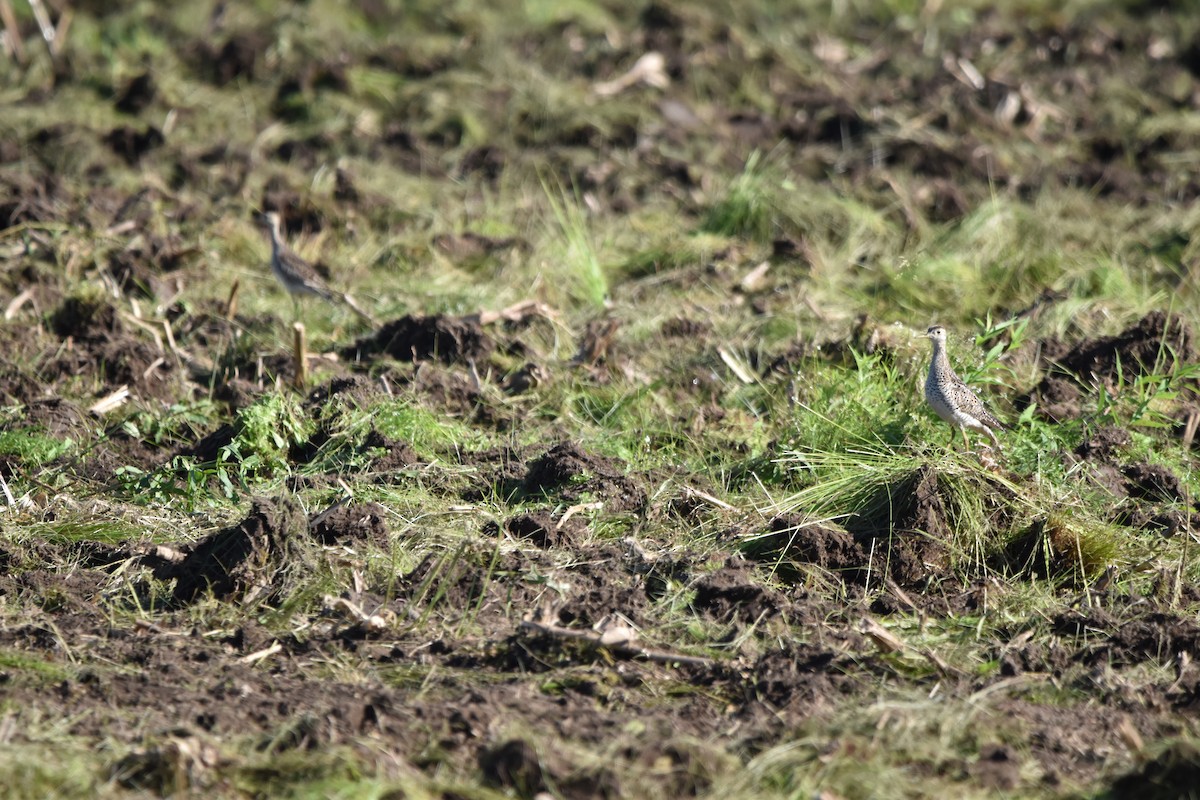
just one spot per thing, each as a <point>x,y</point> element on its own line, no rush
<point>629,491</point>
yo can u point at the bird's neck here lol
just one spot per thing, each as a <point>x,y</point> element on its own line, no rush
<point>940,361</point>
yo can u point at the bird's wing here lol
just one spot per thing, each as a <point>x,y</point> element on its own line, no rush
<point>978,410</point>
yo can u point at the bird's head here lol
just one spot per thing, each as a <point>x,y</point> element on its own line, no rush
<point>937,333</point>
<point>268,220</point>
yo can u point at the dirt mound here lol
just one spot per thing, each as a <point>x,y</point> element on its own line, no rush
<point>248,561</point>
<point>356,389</point>
<point>344,524</point>
<point>571,472</point>
<point>85,320</point>
<point>1156,637</point>
<point>733,592</point>
<point>131,144</point>
<point>1157,343</point>
<point>1174,773</point>
<point>98,345</point>
<point>907,522</point>
<point>540,528</point>
<point>56,418</point>
<point>513,764</point>
<point>685,328</point>
<point>419,338</point>
<point>904,524</point>
<point>799,678</point>
<point>1103,444</point>
<point>1152,482</point>
<point>998,767</point>
<point>796,539</point>
<point>397,455</point>
<point>451,390</point>
<point>493,590</point>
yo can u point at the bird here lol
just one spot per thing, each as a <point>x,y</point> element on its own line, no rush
<point>952,399</point>
<point>297,275</point>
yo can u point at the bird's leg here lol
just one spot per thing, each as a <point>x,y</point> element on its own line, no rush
<point>995,441</point>
<point>966,441</point>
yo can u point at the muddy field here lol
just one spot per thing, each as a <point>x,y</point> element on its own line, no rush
<point>511,542</point>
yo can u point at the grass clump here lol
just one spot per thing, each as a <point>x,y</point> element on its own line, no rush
<point>1061,548</point>
<point>33,447</point>
<point>750,205</point>
<point>426,431</point>
<point>575,258</point>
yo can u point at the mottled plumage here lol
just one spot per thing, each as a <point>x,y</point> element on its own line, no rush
<point>952,399</point>
<point>296,274</point>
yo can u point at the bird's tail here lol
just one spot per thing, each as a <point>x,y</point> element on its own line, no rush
<point>353,305</point>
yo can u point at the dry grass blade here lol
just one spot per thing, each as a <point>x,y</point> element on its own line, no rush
<point>299,356</point>
<point>110,402</point>
<point>231,303</point>
<point>12,33</point>
<point>650,69</point>
<point>735,365</point>
<point>266,652</point>
<point>14,305</point>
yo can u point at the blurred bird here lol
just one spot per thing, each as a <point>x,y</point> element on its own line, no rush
<point>297,275</point>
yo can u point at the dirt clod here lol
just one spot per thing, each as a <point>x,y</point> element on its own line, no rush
<point>1152,482</point>
<point>366,522</point>
<point>541,529</point>
<point>908,522</point>
<point>418,338</point>
<point>513,764</point>
<point>572,472</point>
<point>245,561</point>
<point>796,539</point>
<point>1157,343</point>
<point>1103,444</point>
<point>733,592</point>
<point>998,767</point>
<point>1174,773</point>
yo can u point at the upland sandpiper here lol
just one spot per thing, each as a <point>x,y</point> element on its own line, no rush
<point>297,275</point>
<point>952,399</point>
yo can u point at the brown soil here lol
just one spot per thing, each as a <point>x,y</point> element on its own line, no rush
<point>573,474</point>
<point>906,525</point>
<point>444,675</point>
<point>417,338</point>
<point>1157,343</point>
<point>286,708</point>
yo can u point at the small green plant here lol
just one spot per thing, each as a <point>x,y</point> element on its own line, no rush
<point>1001,338</point>
<point>33,447</point>
<point>424,430</point>
<point>183,480</point>
<point>266,430</point>
<point>177,423</point>
<point>264,433</point>
<point>576,260</point>
<point>748,207</point>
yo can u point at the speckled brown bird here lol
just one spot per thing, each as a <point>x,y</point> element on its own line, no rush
<point>297,275</point>
<point>952,399</point>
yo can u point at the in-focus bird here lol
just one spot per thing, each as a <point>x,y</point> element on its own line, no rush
<point>952,399</point>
